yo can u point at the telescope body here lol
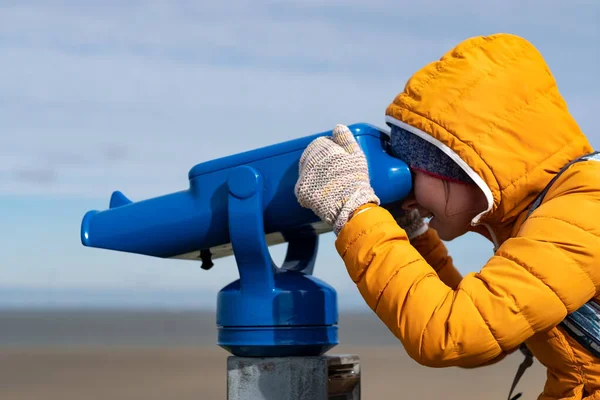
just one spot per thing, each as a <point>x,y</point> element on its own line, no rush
<point>182,224</point>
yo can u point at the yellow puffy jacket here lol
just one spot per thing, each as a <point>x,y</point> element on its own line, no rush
<point>493,105</point>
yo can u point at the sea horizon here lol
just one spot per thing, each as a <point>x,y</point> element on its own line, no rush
<point>146,327</point>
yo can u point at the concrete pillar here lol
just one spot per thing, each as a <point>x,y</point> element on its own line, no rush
<point>327,377</point>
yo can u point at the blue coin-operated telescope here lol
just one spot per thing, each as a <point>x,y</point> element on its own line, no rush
<point>240,205</point>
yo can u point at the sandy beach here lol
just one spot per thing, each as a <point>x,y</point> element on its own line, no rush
<point>152,355</point>
<point>200,373</point>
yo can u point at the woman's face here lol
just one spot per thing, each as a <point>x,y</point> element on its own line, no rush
<point>450,205</point>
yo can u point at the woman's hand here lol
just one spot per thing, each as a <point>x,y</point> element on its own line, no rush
<point>334,178</point>
<point>410,220</point>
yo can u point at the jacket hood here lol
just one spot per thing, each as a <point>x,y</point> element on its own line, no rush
<point>492,104</point>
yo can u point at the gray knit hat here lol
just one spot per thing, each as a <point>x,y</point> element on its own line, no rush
<point>421,155</point>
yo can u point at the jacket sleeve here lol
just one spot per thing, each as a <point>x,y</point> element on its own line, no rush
<point>548,270</point>
<point>432,249</point>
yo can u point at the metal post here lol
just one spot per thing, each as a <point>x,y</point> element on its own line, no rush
<point>326,377</point>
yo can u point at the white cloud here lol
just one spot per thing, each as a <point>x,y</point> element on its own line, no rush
<point>170,84</point>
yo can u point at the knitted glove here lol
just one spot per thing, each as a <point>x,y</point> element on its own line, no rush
<point>334,178</point>
<point>412,223</point>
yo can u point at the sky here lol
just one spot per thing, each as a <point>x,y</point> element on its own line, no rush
<point>112,95</point>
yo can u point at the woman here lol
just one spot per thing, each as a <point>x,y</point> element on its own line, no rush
<point>484,130</point>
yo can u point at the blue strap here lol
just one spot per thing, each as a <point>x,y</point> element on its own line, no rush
<point>595,156</point>
<point>584,326</point>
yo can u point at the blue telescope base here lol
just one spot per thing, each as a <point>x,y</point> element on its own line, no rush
<point>295,341</point>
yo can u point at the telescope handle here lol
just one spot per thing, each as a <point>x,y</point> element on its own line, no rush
<point>246,230</point>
